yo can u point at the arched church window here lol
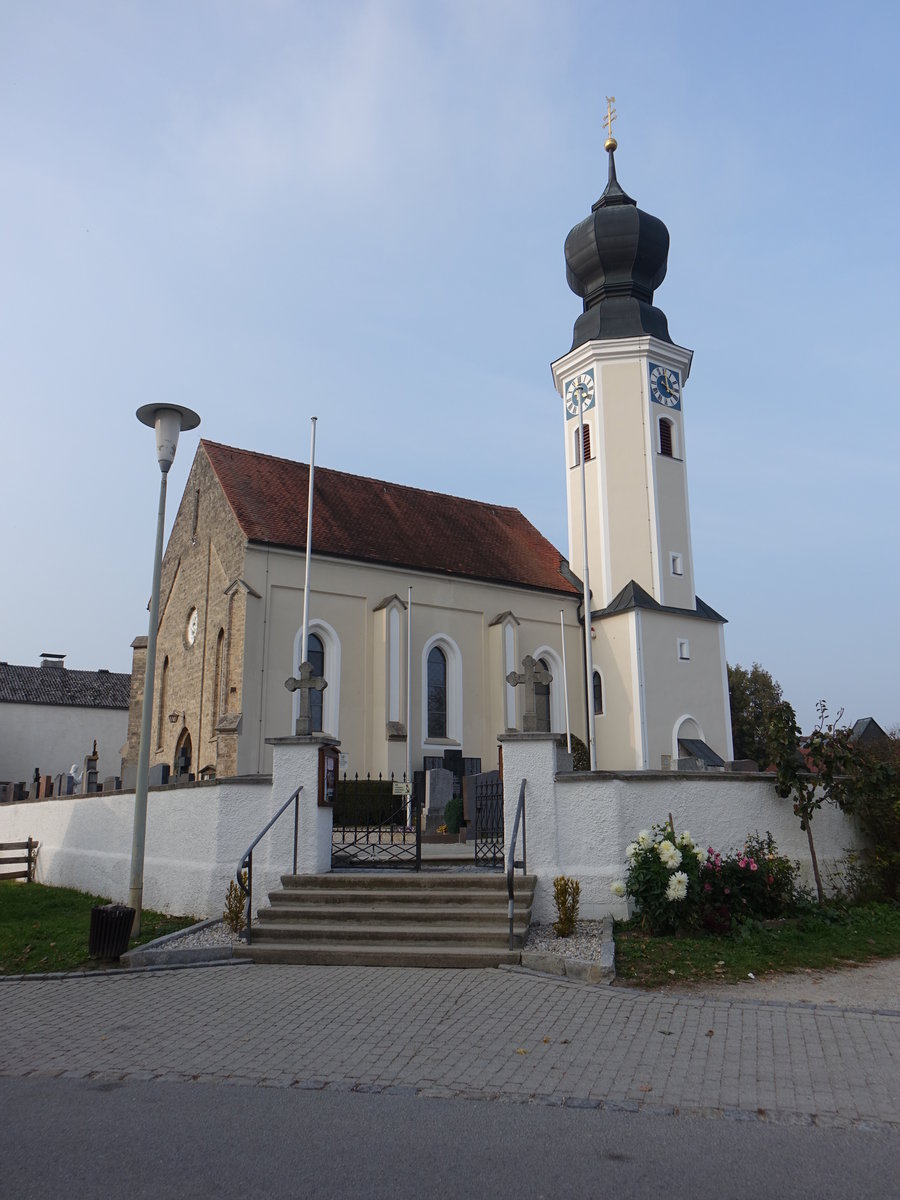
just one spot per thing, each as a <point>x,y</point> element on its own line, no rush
<point>665,437</point>
<point>542,698</point>
<point>315,653</point>
<point>437,693</point>
<point>598,694</point>
<point>217,679</point>
<point>161,702</point>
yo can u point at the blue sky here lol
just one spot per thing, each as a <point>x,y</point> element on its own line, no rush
<point>269,210</point>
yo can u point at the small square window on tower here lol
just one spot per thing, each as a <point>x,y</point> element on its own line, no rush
<point>677,564</point>
<point>684,649</point>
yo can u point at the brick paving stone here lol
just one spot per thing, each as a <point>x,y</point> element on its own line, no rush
<point>456,1033</point>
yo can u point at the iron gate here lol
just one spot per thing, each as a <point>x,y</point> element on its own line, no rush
<point>375,825</point>
<point>489,822</point>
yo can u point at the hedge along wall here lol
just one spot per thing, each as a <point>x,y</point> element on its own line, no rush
<point>580,824</point>
<point>196,834</point>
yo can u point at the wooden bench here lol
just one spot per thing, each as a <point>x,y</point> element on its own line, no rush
<point>14,853</point>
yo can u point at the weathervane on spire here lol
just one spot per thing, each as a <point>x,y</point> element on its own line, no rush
<point>611,115</point>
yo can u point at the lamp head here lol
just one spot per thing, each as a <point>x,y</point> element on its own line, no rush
<point>168,420</point>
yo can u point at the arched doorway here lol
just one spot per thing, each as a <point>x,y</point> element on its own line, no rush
<point>184,753</point>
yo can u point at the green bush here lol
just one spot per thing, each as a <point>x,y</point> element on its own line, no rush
<point>752,884</point>
<point>566,893</point>
<point>663,878</point>
<point>677,887</point>
<point>235,903</point>
<point>453,814</point>
<point>581,758</point>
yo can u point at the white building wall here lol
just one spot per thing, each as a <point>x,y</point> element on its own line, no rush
<point>579,825</point>
<point>53,737</point>
<point>196,835</point>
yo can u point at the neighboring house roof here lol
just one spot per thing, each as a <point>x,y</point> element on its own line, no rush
<point>867,731</point>
<point>634,596</point>
<point>63,688</point>
<point>370,520</point>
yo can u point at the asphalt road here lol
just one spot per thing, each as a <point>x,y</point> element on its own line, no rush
<point>146,1140</point>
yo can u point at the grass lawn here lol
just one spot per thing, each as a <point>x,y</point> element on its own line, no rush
<point>832,937</point>
<point>46,928</point>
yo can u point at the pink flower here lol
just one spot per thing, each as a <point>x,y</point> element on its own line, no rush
<point>728,891</point>
<point>753,866</point>
<point>742,862</point>
<point>707,887</point>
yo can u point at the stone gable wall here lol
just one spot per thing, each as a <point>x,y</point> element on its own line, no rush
<point>204,555</point>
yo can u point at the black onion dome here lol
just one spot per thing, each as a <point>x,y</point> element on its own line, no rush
<point>615,260</point>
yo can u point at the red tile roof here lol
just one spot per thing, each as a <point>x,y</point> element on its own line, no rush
<point>374,521</point>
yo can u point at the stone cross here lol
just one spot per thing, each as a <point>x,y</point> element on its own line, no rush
<point>531,675</point>
<point>304,684</point>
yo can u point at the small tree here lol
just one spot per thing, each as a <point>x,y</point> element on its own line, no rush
<point>873,797</point>
<point>755,696</point>
<point>824,768</point>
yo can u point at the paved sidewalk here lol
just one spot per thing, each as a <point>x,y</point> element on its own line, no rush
<point>481,1034</point>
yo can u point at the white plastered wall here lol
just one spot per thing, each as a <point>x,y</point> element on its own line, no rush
<point>579,825</point>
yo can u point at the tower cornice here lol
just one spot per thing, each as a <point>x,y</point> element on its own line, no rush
<point>619,350</point>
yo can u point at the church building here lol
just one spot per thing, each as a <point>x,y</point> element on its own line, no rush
<point>487,589</point>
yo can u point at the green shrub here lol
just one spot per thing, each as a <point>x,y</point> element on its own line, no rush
<point>755,883</point>
<point>453,814</point>
<point>566,893</point>
<point>235,903</point>
<point>581,758</point>
<point>663,878</point>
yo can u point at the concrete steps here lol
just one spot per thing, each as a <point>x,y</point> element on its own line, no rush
<point>382,918</point>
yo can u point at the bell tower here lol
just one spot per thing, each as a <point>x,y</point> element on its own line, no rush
<point>659,650</point>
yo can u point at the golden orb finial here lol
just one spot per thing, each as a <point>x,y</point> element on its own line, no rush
<point>611,115</point>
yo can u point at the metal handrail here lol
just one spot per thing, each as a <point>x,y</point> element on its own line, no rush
<point>511,863</point>
<point>246,863</point>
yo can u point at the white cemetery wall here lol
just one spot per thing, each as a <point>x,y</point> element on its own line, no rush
<point>580,824</point>
<point>51,737</point>
<point>196,834</point>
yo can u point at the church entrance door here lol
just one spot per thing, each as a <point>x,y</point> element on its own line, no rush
<point>183,755</point>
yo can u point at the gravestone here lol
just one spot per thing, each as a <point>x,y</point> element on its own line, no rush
<point>89,774</point>
<point>528,678</point>
<point>305,682</point>
<point>438,793</point>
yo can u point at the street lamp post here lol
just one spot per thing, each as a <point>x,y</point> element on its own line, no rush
<point>168,420</point>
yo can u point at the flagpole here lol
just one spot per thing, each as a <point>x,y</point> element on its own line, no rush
<point>409,704</point>
<point>588,656</point>
<point>304,636</point>
<point>562,632</point>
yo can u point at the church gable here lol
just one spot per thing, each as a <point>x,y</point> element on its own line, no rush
<point>386,523</point>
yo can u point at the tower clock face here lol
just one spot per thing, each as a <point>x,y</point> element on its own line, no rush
<point>665,386</point>
<point>193,624</point>
<point>579,393</point>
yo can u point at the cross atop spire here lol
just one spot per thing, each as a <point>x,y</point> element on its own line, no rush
<point>611,115</point>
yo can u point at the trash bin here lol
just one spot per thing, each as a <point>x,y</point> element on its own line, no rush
<point>110,930</point>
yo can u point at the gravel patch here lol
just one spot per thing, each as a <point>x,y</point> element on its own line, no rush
<point>208,941</point>
<point>585,943</point>
<point>207,933</point>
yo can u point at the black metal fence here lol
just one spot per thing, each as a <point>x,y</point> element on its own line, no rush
<point>489,822</point>
<point>376,824</point>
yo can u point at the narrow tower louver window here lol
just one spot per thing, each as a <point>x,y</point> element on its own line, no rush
<point>577,462</point>
<point>587,443</point>
<point>665,437</point>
